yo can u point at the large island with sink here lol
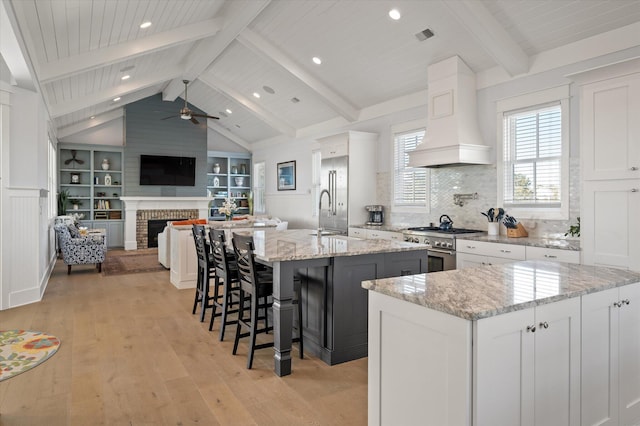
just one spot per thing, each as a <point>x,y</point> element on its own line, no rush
<point>523,343</point>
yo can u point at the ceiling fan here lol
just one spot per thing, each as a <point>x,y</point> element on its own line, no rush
<point>186,113</point>
<point>73,158</point>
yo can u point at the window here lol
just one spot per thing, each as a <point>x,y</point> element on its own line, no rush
<point>533,173</point>
<point>259,188</point>
<point>410,186</point>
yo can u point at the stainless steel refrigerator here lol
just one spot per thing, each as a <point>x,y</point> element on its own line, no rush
<point>334,194</point>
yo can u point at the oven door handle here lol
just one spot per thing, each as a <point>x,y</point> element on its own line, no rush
<point>451,253</point>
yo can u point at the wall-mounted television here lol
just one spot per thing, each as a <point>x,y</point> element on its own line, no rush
<point>170,171</point>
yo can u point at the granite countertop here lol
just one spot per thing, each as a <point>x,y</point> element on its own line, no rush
<point>486,291</point>
<point>553,243</point>
<point>389,228</point>
<point>229,224</point>
<point>299,244</point>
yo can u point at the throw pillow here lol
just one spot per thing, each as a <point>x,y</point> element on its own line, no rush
<point>74,231</point>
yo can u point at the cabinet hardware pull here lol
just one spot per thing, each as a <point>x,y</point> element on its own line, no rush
<point>544,324</point>
<point>505,251</point>
<point>617,304</point>
<point>626,301</point>
<point>634,190</point>
<point>531,328</point>
<point>634,168</point>
<point>471,247</point>
<point>550,256</point>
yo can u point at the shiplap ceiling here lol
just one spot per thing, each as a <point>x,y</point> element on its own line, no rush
<point>80,49</point>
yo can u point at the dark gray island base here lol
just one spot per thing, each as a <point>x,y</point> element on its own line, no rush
<point>331,269</point>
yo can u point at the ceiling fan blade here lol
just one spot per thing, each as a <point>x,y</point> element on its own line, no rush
<point>204,115</point>
<point>193,120</point>
<point>171,116</point>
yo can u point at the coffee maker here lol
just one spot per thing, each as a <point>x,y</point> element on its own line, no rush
<point>376,215</point>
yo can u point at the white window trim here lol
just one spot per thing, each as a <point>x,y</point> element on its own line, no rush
<point>402,128</point>
<point>531,100</point>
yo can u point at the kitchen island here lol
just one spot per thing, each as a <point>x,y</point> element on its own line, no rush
<point>532,342</point>
<point>331,269</point>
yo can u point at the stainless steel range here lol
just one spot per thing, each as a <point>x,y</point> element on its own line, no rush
<point>442,244</point>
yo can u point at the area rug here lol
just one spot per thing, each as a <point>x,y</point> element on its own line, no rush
<point>120,262</point>
<point>22,350</point>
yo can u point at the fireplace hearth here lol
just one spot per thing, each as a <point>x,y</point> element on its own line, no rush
<point>154,227</point>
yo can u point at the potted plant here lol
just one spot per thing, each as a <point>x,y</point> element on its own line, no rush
<point>63,197</point>
<point>75,203</point>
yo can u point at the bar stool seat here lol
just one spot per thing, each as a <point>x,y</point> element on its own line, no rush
<point>256,289</point>
<point>206,271</point>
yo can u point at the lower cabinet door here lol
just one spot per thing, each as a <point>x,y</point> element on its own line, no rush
<point>630,354</point>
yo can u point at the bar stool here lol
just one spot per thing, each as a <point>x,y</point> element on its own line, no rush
<point>206,271</point>
<point>258,285</point>
<point>227,272</point>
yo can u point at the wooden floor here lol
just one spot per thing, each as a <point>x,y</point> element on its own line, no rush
<point>132,354</point>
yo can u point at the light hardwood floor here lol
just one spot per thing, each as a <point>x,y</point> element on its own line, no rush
<point>132,354</point>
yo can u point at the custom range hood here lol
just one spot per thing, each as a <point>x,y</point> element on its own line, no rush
<point>452,137</point>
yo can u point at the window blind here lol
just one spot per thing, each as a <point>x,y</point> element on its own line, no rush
<point>410,184</point>
<point>533,157</point>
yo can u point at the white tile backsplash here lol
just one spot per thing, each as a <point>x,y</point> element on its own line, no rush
<point>447,181</point>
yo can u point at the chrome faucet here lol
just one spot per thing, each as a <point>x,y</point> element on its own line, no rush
<point>320,202</point>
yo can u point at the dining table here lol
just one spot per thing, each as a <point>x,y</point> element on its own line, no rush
<point>342,303</point>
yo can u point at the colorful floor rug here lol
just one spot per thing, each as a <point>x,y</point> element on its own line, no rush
<point>22,350</point>
<point>120,262</point>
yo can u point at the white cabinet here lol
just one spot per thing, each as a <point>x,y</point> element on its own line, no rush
<point>527,366</point>
<point>373,234</point>
<point>610,128</point>
<point>228,176</point>
<point>611,357</point>
<point>610,164</point>
<point>610,225</point>
<point>115,231</point>
<point>475,253</point>
<point>558,255</point>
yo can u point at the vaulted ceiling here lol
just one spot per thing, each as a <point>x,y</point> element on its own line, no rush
<point>80,50</point>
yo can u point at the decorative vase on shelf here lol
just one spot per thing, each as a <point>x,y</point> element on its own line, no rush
<point>105,164</point>
<point>234,170</point>
<point>227,217</point>
<point>216,168</point>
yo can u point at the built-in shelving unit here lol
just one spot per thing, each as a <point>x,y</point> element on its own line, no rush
<point>96,185</point>
<point>228,176</point>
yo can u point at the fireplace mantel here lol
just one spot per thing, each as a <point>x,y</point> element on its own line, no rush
<point>133,204</point>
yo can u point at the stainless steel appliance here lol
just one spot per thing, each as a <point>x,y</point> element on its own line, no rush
<point>442,244</point>
<point>376,215</point>
<point>333,206</point>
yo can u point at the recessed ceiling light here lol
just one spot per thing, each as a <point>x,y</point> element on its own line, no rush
<point>316,60</point>
<point>238,126</point>
<point>145,25</point>
<point>256,95</point>
<point>228,111</point>
<point>268,89</point>
<point>295,100</point>
<point>93,116</point>
<point>125,77</point>
<point>394,14</point>
<point>116,99</point>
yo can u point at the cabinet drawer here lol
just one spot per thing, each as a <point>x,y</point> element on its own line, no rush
<point>506,251</point>
<point>334,150</point>
<point>358,232</point>
<point>541,253</point>
<point>384,235</point>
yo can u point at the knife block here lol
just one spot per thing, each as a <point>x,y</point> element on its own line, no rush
<point>517,232</point>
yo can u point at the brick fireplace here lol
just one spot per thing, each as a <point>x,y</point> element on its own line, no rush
<point>139,210</point>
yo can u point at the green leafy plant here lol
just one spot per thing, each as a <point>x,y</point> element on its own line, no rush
<point>574,230</point>
<point>63,197</point>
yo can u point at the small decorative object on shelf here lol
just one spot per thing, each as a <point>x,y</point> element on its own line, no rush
<point>107,179</point>
<point>239,181</point>
<point>105,164</point>
<point>234,170</point>
<point>75,178</point>
<point>216,168</point>
<point>228,208</point>
<point>243,169</point>
<point>216,181</point>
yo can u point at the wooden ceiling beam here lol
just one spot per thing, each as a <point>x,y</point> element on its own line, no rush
<point>107,95</point>
<point>128,50</point>
<point>269,118</point>
<point>238,15</point>
<point>335,101</point>
<point>494,39</point>
<point>89,123</point>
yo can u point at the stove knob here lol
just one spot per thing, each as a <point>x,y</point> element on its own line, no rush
<point>437,244</point>
<point>449,245</point>
<point>426,241</point>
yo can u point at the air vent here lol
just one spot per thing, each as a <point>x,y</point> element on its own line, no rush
<point>424,34</point>
<point>295,100</point>
<point>268,90</point>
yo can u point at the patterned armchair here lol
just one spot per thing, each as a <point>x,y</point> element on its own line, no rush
<point>79,250</point>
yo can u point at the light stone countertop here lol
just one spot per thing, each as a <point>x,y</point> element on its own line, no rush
<point>389,228</point>
<point>229,224</point>
<point>552,243</point>
<point>486,291</point>
<point>300,244</point>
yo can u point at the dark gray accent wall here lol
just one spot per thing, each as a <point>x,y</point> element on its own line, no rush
<point>146,133</point>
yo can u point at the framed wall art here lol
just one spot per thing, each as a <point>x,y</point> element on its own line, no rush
<point>287,176</point>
